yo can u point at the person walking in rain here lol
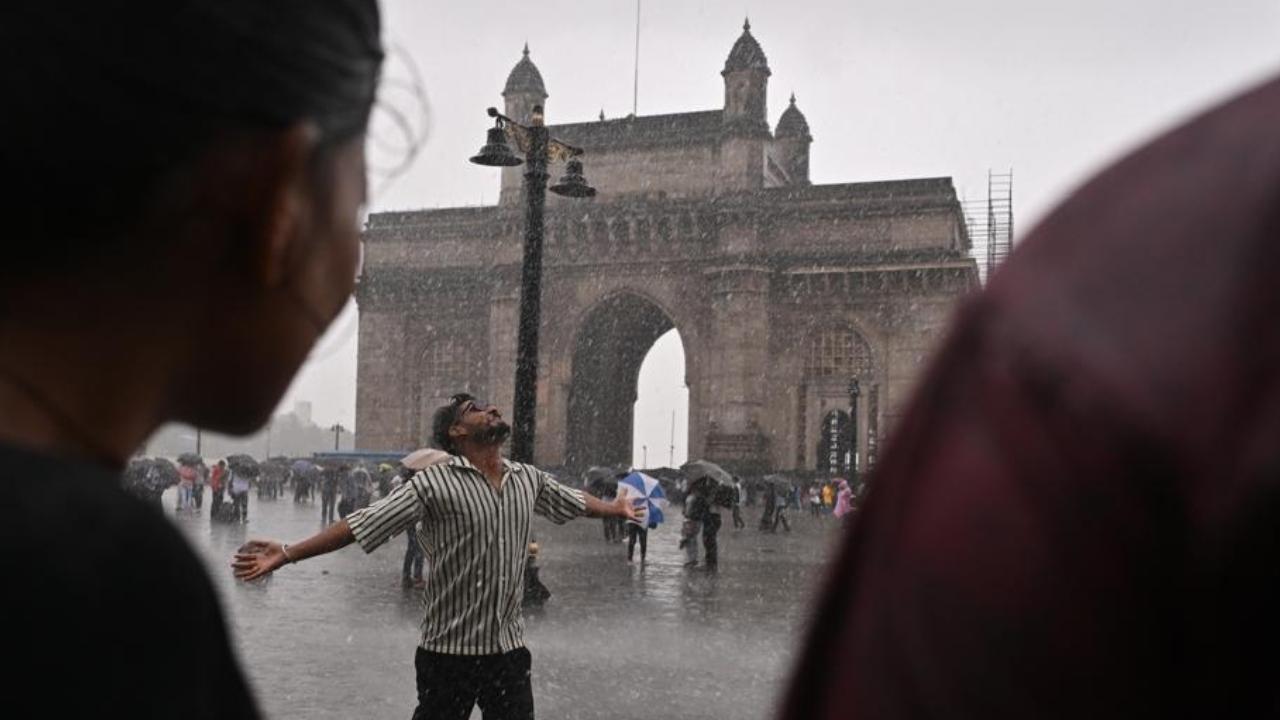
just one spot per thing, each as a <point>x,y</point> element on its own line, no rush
<point>349,483</point>
<point>239,486</point>
<point>689,531</point>
<point>330,476</point>
<point>476,512</point>
<point>186,487</point>
<point>780,509</point>
<point>770,503</point>
<point>411,574</point>
<point>739,499</point>
<point>702,511</point>
<point>638,532</point>
<point>218,489</point>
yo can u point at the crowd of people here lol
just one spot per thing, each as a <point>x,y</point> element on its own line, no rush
<point>704,499</point>
<point>344,486</point>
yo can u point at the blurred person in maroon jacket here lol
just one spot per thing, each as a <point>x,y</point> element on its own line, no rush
<point>1080,514</point>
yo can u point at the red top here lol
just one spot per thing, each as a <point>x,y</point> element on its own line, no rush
<point>1079,516</point>
<point>215,478</point>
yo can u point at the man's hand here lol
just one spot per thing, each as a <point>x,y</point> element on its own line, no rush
<point>630,507</point>
<point>257,558</point>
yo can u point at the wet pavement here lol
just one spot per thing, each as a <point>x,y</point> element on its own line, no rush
<point>334,637</point>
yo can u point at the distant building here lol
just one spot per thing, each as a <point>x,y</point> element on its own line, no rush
<point>302,411</point>
<point>784,292</point>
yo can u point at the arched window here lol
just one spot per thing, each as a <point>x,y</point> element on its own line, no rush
<point>842,354</point>
<point>443,369</point>
<point>443,362</point>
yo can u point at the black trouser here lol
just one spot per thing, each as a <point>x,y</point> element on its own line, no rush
<point>781,517</point>
<point>241,501</point>
<point>711,526</point>
<point>738,523</point>
<point>635,532</point>
<point>450,685</point>
<point>327,500</point>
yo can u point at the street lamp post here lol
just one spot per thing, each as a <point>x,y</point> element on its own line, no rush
<point>337,434</point>
<point>539,149</point>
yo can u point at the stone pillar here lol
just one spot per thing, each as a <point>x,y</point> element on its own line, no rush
<point>742,161</point>
<point>504,319</point>
<point>383,410</point>
<point>732,387</point>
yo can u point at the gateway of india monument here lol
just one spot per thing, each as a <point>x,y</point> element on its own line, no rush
<point>806,311</point>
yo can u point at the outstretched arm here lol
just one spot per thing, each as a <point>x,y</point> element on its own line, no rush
<point>263,557</point>
<point>624,507</point>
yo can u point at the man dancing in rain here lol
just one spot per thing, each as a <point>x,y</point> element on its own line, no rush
<point>476,514</point>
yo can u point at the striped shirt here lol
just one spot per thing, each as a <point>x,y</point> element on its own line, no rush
<point>475,539</point>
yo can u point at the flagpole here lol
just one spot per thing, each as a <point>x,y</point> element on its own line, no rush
<point>635,87</point>
<point>671,461</point>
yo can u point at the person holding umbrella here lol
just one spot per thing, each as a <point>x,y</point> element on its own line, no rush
<point>701,510</point>
<point>710,486</point>
<point>188,476</point>
<point>639,485</point>
<point>243,470</point>
<point>476,512</point>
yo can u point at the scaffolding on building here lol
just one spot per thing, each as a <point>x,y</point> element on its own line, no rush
<point>990,222</point>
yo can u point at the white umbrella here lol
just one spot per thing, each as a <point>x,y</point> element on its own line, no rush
<point>424,458</point>
<point>639,485</point>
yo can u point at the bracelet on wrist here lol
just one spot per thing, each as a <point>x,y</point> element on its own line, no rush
<point>284,550</point>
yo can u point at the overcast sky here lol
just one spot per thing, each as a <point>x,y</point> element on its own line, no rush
<point>891,89</point>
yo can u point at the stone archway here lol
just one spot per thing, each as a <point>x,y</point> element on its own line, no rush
<point>610,344</point>
<point>844,429</point>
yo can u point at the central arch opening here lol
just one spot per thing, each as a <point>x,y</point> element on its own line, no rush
<point>661,432</point>
<point>612,344</point>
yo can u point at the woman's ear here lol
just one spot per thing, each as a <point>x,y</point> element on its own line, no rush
<point>284,212</point>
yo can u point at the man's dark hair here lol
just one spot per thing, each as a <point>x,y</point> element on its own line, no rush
<point>444,418</point>
<point>107,103</point>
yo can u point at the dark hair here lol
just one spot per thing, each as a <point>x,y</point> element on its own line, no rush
<point>444,418</point>
<point>111,100</point>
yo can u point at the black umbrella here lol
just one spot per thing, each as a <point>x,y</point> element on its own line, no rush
<point>164,473</point>
<point>602,480</point>
<point>244,465</point>
<point>190,459</point>
<point>700,469</point>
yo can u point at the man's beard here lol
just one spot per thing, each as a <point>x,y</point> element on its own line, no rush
<point>494,434</point>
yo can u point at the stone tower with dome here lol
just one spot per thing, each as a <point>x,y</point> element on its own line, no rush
<point>786,294</point>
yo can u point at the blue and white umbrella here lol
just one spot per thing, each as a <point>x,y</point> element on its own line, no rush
<point>639,485</point>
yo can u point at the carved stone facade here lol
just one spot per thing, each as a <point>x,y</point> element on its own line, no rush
<point>782,291</point>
